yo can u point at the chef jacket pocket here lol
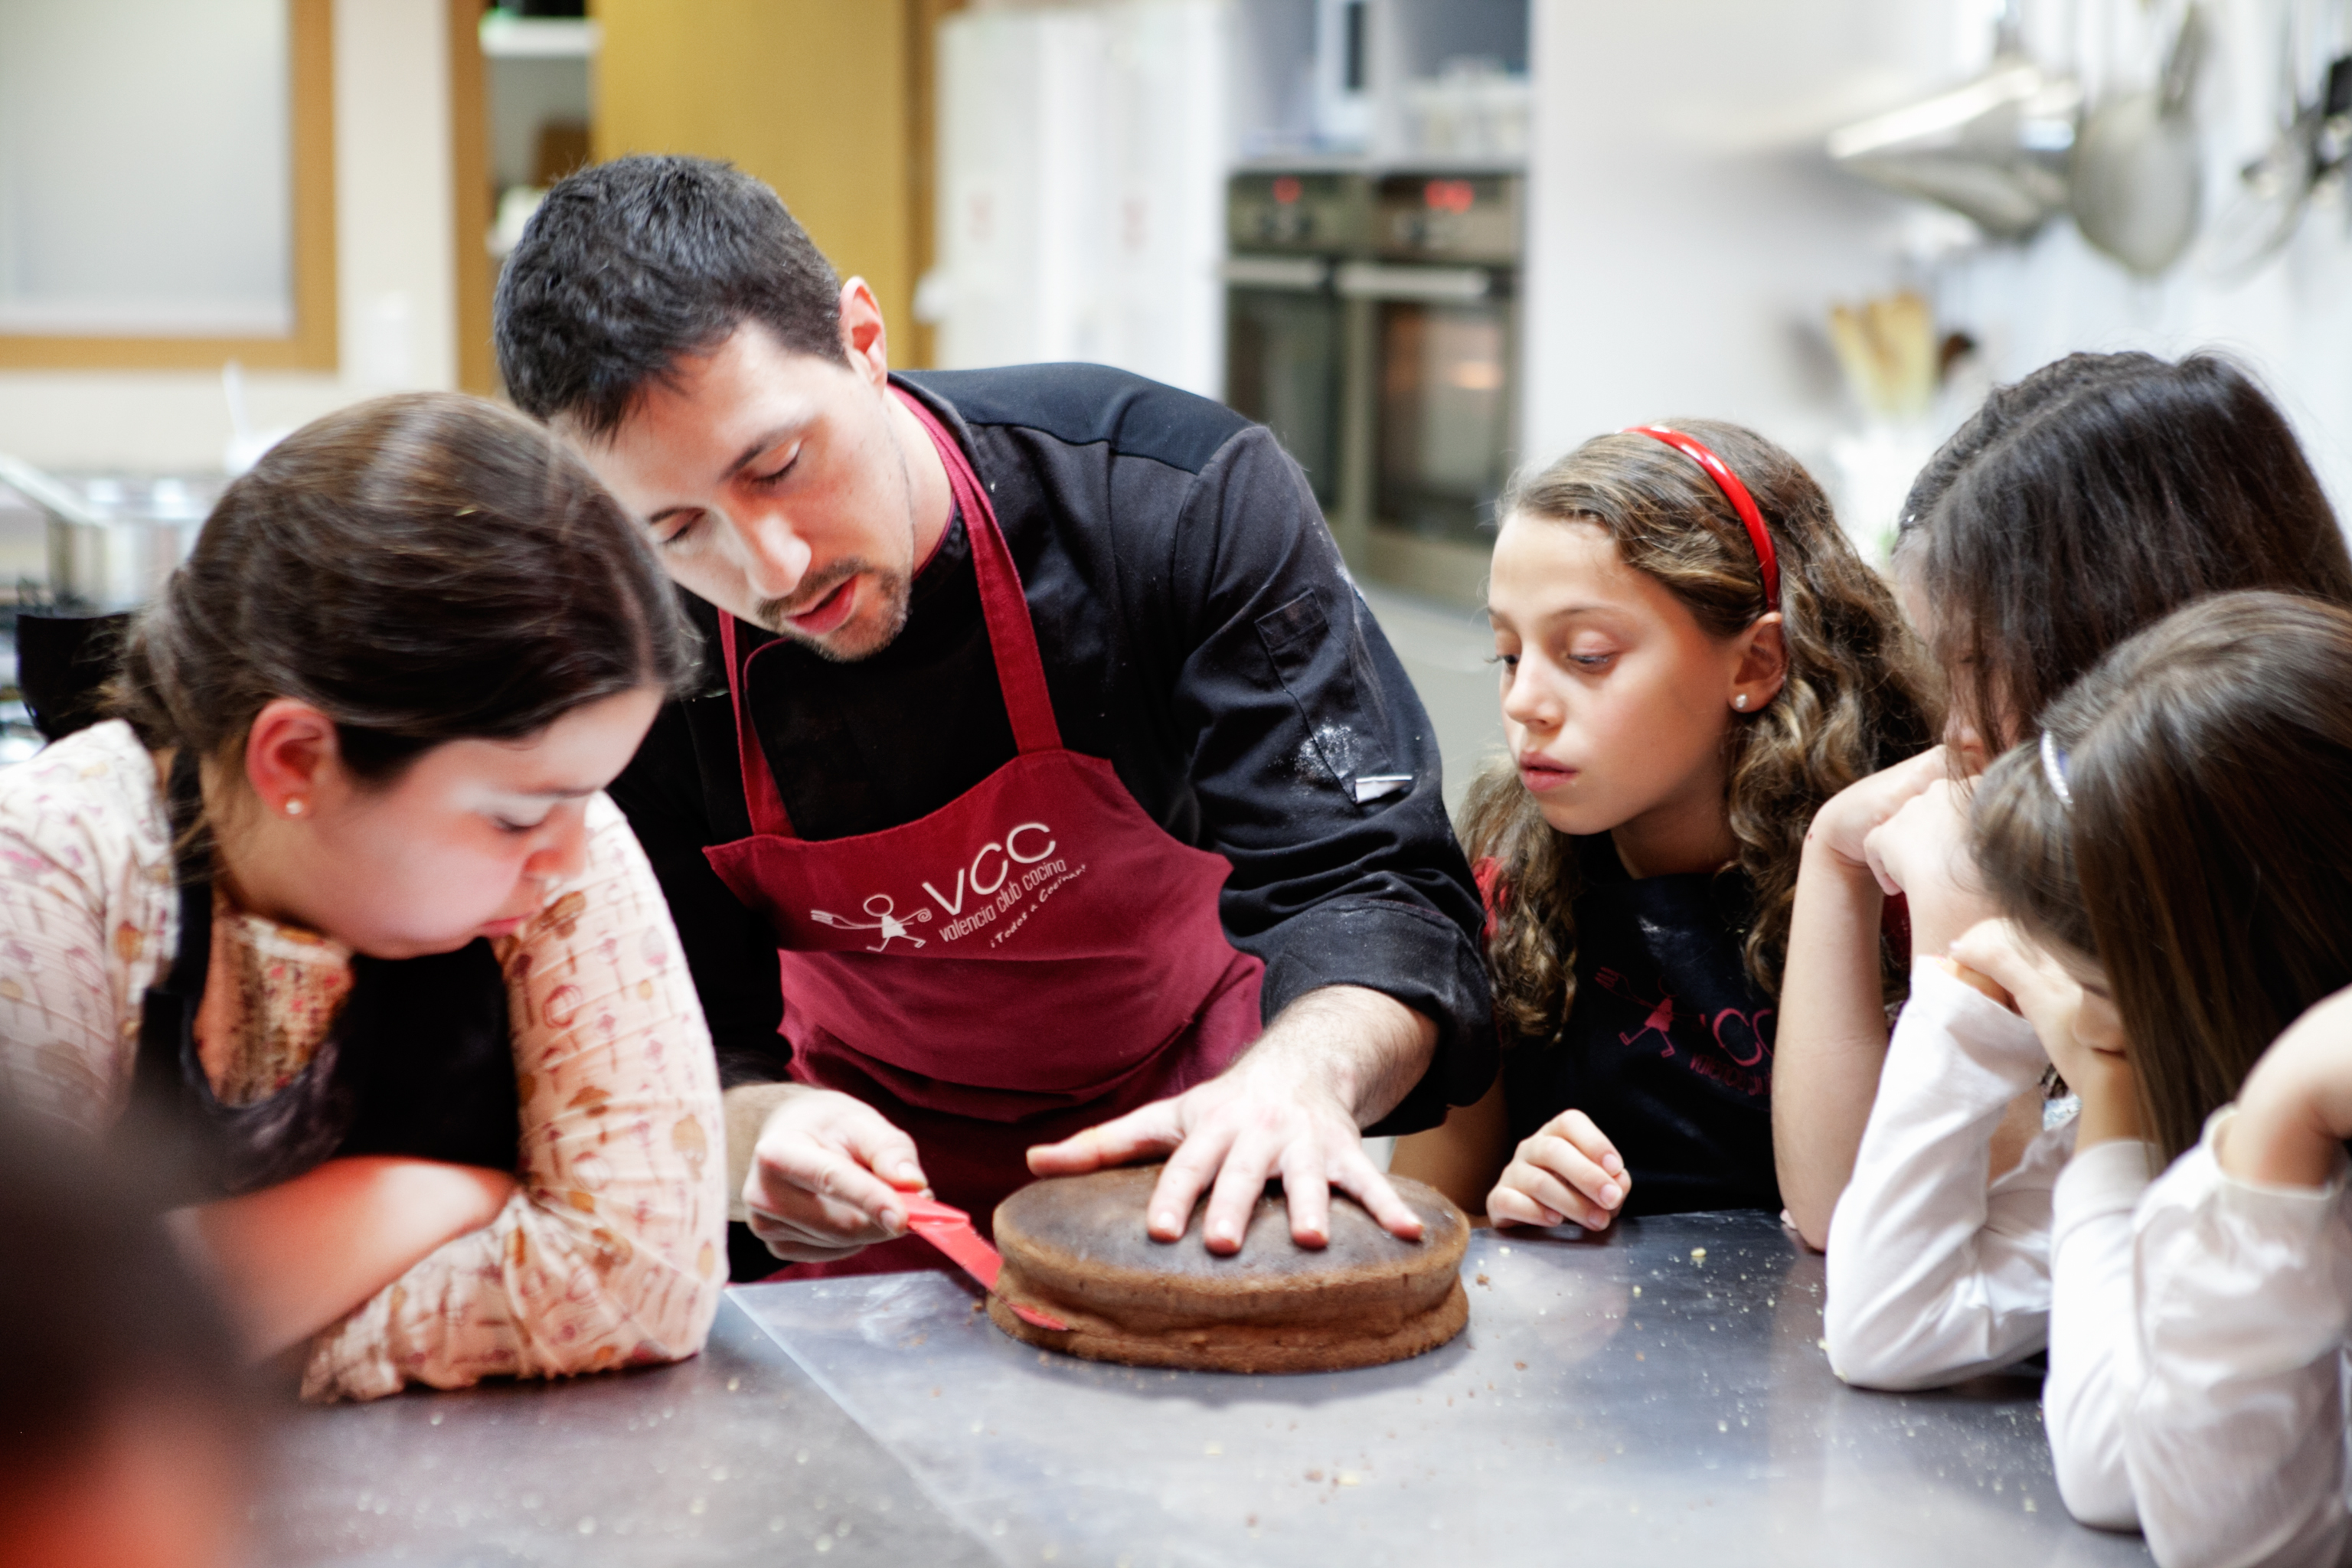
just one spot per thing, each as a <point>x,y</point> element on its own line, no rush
<point>1317,669</point>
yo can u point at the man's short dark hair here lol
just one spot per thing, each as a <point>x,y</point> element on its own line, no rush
<point>630,266</point>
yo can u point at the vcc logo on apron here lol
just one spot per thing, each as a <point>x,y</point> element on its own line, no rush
<point>991,877</point>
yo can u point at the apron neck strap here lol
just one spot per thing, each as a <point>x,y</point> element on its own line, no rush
<point>1012,639</point>
<point>761,797</point>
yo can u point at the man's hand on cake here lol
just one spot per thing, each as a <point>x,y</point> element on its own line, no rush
<point>1292,1106</point>
<point>1567,1172</point>
<point>828,1177</point>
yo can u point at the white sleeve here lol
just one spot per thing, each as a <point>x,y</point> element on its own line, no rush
<point>2236,1448</point>
<point>1935,1274</point>
<point>2094,1361</point>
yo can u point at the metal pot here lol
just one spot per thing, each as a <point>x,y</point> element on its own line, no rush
<point>112,540</point>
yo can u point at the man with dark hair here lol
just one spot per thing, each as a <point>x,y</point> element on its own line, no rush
<point>1050,785</point>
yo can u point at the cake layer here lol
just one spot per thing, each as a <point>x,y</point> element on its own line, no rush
<point>1245,1347</point>
<point>1077,1247</point>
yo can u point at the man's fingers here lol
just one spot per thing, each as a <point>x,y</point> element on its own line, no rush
<point>885,1150</point>
<point>1255,1155</point>
<point>1154,1129</point>
<point>1306,1193</point>
<point>1368,1187</point>
<point>1183,1179</point>
<point>822,1173</point>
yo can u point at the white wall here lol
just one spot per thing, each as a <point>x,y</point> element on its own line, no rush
<point>1687,235</point>
<point>395,288</point>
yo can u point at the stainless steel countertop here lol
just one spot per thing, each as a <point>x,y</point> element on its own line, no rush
<point>734,1456</point>
<point>1657,1395</point>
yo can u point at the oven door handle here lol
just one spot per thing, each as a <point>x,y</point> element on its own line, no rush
<point>1372,280</point>
<point>1290,273</point>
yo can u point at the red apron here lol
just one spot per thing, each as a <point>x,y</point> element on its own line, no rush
<point>1032,959</point>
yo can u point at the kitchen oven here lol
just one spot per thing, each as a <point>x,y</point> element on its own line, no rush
<point>1285,327</point>
<point>1442,288</point>
<point>1372,323</point>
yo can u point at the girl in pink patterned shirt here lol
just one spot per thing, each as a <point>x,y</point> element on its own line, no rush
<point>333,935</point>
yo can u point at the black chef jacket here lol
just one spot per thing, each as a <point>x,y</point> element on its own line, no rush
<point>1197,629</point>
<point>1668,1046</point>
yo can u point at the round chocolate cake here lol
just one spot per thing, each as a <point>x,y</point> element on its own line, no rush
<point>1075,1247</point>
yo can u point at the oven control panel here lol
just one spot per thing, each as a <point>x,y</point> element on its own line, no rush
<point>1449,216</point>
<point>1308,211</point>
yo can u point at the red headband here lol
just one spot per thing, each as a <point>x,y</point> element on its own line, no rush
<point>1733,491</point>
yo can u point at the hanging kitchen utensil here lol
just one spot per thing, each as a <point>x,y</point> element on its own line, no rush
<point>2138,179</point>
<point>949,1229</point>
<point>1993,149</point>
<point>2276,188</point>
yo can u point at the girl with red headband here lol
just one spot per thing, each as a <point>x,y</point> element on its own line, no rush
<point>1693,659</point>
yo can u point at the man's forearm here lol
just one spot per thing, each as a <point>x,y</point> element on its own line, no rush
<point>1831,1043</point>
<point>1367,1048</point>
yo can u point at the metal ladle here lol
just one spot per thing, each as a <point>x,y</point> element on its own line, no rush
<point>1993,149</point>
<point>2138,179</point>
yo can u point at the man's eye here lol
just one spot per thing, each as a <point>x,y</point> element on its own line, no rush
<point>677,533</point>
<point>773,474</point>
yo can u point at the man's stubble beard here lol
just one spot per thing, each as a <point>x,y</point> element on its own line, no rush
<point>894,592</point>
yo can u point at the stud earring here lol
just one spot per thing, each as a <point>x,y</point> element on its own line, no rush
<point>1740,702</point>
<point>294,805</point>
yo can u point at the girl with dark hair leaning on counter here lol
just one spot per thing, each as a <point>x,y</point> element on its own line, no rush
<point>332,935</point>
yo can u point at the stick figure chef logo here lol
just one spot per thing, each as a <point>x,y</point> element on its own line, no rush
<point>1001,874</point>
<point>882,906</point>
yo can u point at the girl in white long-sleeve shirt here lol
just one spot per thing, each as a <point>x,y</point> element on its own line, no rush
<point>2155,847</point>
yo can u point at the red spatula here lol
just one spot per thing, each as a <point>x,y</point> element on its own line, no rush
<point>949,1230</point>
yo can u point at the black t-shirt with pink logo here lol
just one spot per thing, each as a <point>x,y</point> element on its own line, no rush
<point>1668,1045</point>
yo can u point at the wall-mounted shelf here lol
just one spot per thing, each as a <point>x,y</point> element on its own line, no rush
<point>507,36</point>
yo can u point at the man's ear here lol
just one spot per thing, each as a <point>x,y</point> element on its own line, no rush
<point>864,336</point>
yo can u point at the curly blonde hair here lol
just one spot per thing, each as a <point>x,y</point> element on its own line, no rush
<point>1857,696</point>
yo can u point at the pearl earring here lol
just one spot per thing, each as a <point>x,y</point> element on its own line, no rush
<point>294,805</point>
<point>1740,702</point>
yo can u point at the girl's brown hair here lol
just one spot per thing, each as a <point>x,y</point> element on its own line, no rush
<point>2089,501</point>
<point>420,569</point>
<point>2206,859</point>
<point>1855,698</point>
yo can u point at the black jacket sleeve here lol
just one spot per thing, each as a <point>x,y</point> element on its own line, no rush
<point>728,950</point>
<point>1315,768</point>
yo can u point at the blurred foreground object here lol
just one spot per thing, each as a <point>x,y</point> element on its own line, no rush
<point>126,1440</point>
<point>1993,149</point>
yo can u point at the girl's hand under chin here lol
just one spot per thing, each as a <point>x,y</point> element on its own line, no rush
<point>1921,851</point>
<point>1568,1172</point>
<point>2079,1030</point>
<point>1849,817</point>
<point>2296,1109</point>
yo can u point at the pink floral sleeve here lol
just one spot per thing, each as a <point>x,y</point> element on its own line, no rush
<point>612,1252</point>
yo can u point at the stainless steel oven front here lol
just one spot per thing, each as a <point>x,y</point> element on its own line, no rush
<point>1442,292</point>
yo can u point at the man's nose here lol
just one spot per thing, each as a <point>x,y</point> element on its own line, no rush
<point>775,557</point>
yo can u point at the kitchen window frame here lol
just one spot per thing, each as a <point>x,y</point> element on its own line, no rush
<point>312,344</point>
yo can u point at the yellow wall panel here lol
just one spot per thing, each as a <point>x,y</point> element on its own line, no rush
<point>812,96</point>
